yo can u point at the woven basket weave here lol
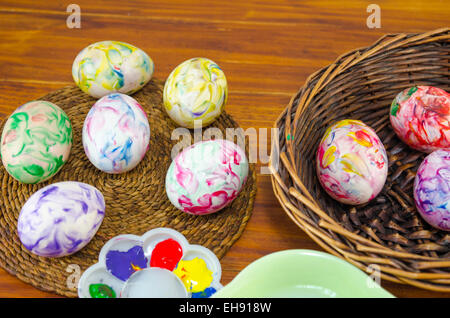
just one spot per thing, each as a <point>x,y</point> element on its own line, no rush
<point>387,234</point>
<point>136,201</point>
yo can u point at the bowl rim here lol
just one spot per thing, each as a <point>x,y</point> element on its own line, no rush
<point>335,263</point>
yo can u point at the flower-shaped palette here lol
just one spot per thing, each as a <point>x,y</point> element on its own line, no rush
<point>159,264</point>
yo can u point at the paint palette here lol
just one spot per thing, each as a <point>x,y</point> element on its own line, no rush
<point>159,264</point>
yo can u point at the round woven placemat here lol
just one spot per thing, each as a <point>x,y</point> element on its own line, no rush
<point>135,201</point>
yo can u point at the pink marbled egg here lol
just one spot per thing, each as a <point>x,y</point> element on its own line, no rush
<point>351,162</point>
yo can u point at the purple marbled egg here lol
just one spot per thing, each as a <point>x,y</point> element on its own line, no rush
<point>61,218</point>
<point>432,189</point>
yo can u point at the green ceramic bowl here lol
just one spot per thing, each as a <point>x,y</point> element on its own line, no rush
<point>301,273</point>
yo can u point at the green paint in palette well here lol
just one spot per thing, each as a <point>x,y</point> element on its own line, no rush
<point>36,141</point>
<point>101,291</point>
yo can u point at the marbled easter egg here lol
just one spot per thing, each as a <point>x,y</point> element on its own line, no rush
<point>206,176</point>
<point>352,164</point>
<point>111,66</point>
<point>116,133</point>
<point>36,141</point>
<point>432,189</point>
<point>196,90</point>
<point>61,218</point>
<point>420,116</point>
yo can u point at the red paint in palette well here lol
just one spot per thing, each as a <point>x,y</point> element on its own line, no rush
<point>166,254</point>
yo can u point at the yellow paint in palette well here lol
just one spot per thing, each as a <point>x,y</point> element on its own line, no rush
<point>194,274</point>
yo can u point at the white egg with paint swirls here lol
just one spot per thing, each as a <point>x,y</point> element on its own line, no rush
<point>61,218</point>
<point>116,133</point>
<point>109,67</point>
<point>207,176</point>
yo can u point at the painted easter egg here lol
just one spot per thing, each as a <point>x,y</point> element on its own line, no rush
<point>111,66</point>
<point>196,90</point>
<point>36,141</point>
<point>432,189</point>
<point>206,176</point>
<point>61,218</point>
<point>116,133</point>
<point>420,116</point>
<point>351,162</point>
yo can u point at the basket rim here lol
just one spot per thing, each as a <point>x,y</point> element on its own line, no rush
<point>315,231</point>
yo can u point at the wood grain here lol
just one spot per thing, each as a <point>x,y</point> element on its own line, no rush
<point>266,48</point>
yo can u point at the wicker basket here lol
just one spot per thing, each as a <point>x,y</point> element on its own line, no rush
<point>387,233</point>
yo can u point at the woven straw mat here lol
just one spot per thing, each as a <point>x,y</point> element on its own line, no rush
<point>136,201</point>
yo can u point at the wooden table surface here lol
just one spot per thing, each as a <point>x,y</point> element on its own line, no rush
<point>267,48</point>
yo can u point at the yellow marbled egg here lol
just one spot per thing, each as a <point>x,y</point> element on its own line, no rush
<point>196,90</point>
